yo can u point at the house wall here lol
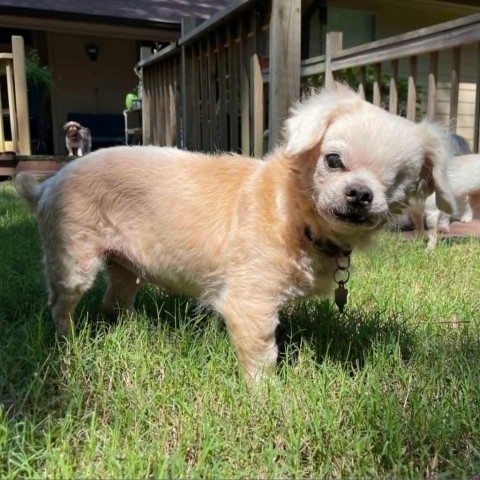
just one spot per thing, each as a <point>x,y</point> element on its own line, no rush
<point>86,86</point>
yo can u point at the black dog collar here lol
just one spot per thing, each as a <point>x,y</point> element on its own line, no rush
<point>326,246</point>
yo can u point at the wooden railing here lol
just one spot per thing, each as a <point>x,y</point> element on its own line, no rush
<point>209,91</point>
<point>206,92</point>
<point>429,59</point>
<point>16,139</point>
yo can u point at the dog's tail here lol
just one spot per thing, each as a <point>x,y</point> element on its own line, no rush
<point>29,189</point>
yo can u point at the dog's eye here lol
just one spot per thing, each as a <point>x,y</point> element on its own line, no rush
<point>333,160</point>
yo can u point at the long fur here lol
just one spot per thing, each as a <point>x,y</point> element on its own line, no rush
<point>243,235</point>
<point>464,179</point>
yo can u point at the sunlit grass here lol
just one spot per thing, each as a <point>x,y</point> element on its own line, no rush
<point>388,390</point>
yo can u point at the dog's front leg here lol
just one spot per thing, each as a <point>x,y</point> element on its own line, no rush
<point>251,325</point>
<point>70,151</point>
<point>432,219</point>
<point>79,152</point>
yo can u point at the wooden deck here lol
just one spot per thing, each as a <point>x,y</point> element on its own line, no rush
<point>11,164</point>
<point>457,230</point>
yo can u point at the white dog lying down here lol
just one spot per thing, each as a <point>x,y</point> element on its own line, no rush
<point>464,180</point>
<point>243,235</point>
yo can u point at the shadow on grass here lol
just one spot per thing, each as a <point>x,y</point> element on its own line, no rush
<point>347,338</point>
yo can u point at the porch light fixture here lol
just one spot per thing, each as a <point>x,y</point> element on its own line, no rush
<point>92,52</point>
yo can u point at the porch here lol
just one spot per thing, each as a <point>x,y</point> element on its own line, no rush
<point>227,83</point>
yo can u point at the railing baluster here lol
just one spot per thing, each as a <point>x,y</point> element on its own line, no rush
<point>393,94</point>
<point>412,89</point>
<point>432,86</point>
<point>377,85</point>
<point>454,89</point>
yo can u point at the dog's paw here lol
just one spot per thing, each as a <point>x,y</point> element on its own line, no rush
<point>467,218</point>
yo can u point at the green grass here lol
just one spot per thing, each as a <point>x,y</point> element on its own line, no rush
<point>391,389</point>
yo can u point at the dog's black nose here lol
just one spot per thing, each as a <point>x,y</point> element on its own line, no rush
<point>359,195</point>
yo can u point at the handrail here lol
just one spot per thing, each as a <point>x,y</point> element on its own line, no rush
<point>425,40</point>
<point>222,16</point>
<point>165,52</point>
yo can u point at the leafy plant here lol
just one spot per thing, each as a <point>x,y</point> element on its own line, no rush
<point>352,77</point>
<point>38,75</point>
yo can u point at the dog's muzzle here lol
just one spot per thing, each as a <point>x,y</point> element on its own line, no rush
<point>358,206</point>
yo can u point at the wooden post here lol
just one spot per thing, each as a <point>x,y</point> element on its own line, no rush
<point>187,86</point>
<point>432,86</point>
<point>285,31</point>
<point>454,89</point>
<point>245,91</point>
<point>257,87</point>
<point>21,100</point>
<point>233,85</point>
<point>146,101</point>
<point>377,85</point>
<point>2,131</point>
<point>393,95</point>
<point>362,87</point>
<point>333,45</point>
<point>222,91</point>
<point>412,90</point>
<point>476,132</point>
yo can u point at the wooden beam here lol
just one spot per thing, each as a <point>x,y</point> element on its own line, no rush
<point>187,85</point>
<point>476,127</point>
<point>377,85</point>
<point>430,39</point>
<point>245,91</point>
<point>333,45</point>
<point>222,16</point>
<point>233,85</point>
<point>285,31</point>
<point>454,89</point>
<point>20,79</point>
<point>257,87</point>
<point>362,87</point>
<point>432,86</point>
<point>12,109</point>
<point>412,89</point>
<point>393,94</point>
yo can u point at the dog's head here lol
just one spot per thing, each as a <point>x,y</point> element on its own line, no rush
<point>72,129</point>
<point>359,163</point>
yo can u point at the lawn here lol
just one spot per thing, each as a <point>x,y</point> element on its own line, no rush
<point>390,389</point>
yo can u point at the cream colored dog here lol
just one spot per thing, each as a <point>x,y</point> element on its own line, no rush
<point>243,235</point>
<point>464,179</point>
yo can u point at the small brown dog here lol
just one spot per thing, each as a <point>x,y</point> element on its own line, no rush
<point>78,139</point>
<point>242,234</point>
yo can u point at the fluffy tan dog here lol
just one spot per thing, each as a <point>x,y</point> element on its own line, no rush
<point>243,235</point>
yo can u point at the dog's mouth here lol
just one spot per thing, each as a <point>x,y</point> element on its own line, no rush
<point>358,217</point>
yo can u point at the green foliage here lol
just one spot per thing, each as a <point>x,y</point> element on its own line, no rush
<point>388,390</point>
<point>38,75</point>
<point>352,77</point>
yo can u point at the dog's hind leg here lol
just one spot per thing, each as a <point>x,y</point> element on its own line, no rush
<point>68,280</point>
<point>121,290</point>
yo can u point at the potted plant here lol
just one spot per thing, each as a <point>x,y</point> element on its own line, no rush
<point>39,84</point>
<point>39,76</point>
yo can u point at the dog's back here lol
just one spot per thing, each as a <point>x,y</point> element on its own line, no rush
<point>464,174</point>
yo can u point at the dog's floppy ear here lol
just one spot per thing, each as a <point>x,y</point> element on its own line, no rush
<point>434,173</point>
<point>65,127</point>
<point>310,118</point>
